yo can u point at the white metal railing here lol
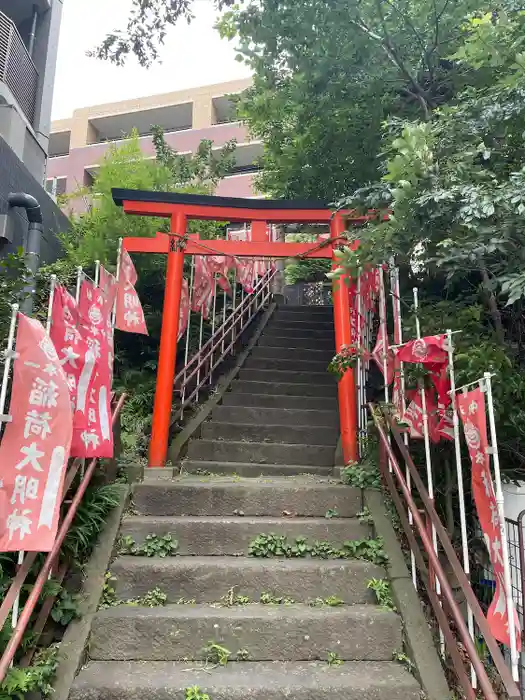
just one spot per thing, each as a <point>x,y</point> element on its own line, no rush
<point>198,370</point>
<point>17,69</point>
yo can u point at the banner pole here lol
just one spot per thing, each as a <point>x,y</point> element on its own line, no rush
<point>503,530</point>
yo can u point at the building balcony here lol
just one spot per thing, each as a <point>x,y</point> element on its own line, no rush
<point>17,69</point>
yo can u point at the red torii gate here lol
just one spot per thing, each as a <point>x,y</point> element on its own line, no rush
<point>258,212</point>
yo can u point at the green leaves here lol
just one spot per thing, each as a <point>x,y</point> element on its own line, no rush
<point>268,546</point>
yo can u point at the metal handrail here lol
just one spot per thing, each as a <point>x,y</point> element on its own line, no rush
<point>235,324</point>
<point>447,603</point>
<point>49,562</point>
<point>17,69</point>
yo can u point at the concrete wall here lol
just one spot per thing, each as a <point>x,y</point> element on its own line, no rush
<point>15,177</point>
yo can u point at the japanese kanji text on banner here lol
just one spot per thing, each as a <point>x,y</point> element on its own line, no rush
<point>36,443</point>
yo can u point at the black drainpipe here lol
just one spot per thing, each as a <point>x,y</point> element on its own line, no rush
<point>32,247</point>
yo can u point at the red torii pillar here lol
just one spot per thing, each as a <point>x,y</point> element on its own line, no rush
<point>182,207</point>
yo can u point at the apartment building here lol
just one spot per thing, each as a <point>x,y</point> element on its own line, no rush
<point>29,32</point>
<point>77,145</point>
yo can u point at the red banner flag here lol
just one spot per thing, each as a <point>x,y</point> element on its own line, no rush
<point>129,315</point>
<point>221,265</point>
<point>70,339</point>
<point>203,287</point>
<point>471,407</point>
<point>35,446</point>
<point>108,284</point>
<point>431,349</point>
<point>380,351</point>
<point>95,318</point>
<point>184,311</point>
<point>246,275</point>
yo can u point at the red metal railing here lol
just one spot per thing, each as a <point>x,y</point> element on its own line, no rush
<point>445,607</point>
<point>198,371</point>
<point>50,565</point>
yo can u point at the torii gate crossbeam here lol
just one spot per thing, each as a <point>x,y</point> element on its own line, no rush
<point>180,208</point>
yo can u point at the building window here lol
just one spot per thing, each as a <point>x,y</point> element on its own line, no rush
<point>56,186</point>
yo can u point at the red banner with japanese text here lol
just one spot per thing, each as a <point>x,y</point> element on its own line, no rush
<point>471,407</point>
<point>108,284</point>
<point>220,265</point>
<point>95,315</point>
<point>203,287</point>
<point>70,339</point>
<point>35,446</point>
<point>129,315</point>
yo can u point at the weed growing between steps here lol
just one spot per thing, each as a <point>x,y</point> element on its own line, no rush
<point>195,693</point>
<point>151,599</point>
<point>361,476</point>
<point>383,593</point>
<point>216,654</point>
<point>153,546</point>
<point>272,545</point>
<point>271,599</point>
<point>333,659</point>
<point>331,513</point>
<point>231,599</point>
<point>332,601</point>
<point>365,517</point>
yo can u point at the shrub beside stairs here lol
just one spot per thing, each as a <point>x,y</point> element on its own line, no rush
<point>243,627</point>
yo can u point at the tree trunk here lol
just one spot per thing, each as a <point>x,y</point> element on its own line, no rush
<point>492,305</point>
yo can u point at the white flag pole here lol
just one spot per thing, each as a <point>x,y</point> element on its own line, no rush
<point>187,347</point>
<point>358,346</point>
<point>503,530</point>
<point>9,356</point>
<point>97,272</point>
<point>428,458</point>
<point>398,339</point>
<point>80,276</point>
<point>52,287</point>
<point>461,492</point>
<point>383,326</point>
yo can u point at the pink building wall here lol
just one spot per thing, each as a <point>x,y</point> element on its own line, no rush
<point>73,166</point>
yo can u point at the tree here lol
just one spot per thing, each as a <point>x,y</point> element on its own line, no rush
<point>456,186</point>
<point>146,29</point>
<point>95,234</point>
<point>326,76</point>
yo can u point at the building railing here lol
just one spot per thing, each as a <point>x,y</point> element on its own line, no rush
<point>17,69</point>
<point>462,651</point>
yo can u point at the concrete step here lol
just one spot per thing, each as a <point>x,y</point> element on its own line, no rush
<point>291,342</point>
<point>323,403</point>
<point>265,632</point>
<point>306,309</point>
<point>207,579</point>
<point>167,680</point>
<point>286,363</point>
<point>278,322</point>
<point>275,416</point>
<point>247,469</point>
<point>310,333</point>
<point>267,432</point>
<point>287,376</point>
<point>282,353</point>
<point>288,389</point>
<point>261,453</point>
<point>302,496</point>
<point>229,536</point>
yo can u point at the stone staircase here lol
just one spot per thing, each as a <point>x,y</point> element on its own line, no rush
<point>263,464</point>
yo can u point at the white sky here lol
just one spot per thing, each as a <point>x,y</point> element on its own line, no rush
<point>193,55</point>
